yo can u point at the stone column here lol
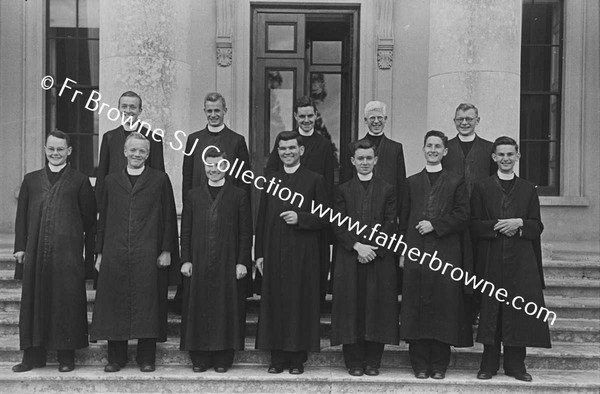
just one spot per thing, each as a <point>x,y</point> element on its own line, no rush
<point>475,56</point>
<point>144,48</point>
<point>385,57</point>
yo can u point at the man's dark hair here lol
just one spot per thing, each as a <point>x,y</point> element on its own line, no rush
<point>505,140</point>
<point>465,107</point>
<point>129,93</point>
<point>213,152</point>
<point>361,144</point>
<point>59,134</point>
<point>304,101</point>
<point>213,97</point>
<point>436,133</point>
<point>287,136</point>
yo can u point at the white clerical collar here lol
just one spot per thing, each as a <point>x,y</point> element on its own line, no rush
<point>291,170</point>
<point>365,178</point>
<point>306,133</point>
<point>216,183</point>
<point>506,177</point>
<point>375,135</point>
<point>135,171</point>
<point>433,168</point>
<point>59,168</point>
<point>214,129</point>
<point>468,138</point>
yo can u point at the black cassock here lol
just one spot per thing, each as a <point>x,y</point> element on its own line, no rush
<point>513,263</point>
<point>112,158</point>
<point>136,224</point>
<point>433,305</point>
<point>228,141</point>
<point>52,224</point>
<point>216,235</point>
<point>289,306</point>
<point>478,163</point>
<point>367,310</point>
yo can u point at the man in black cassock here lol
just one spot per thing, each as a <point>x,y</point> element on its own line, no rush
<point>216,243</point>
<point>111,157</point>
<point>318,157</point>
<point>137,258</point>
<point>56,214</point>
<point>286,236</point>
<point>506,221</point>
<point>434,314</point>
<point>365,304</point>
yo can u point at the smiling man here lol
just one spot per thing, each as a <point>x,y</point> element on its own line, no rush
<point>286,236</point>
<point>434,315</point>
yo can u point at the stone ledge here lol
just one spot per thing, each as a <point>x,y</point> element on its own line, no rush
<point>564,201</point>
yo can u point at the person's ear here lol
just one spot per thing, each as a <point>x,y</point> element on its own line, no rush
<point>301,150</point>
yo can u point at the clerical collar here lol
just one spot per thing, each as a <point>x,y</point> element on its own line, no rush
<point>506,177</point>
<point>135,171</point>
<point>469,138</point>
<point>216,183</point>
<point>59,168</point>
<point>364,178</point>
<point>129,129</point>
<point>375,135</point>
<point>306,133</point>
<point>214,129</point>
<point>433,168</point>
<point>291,170</point>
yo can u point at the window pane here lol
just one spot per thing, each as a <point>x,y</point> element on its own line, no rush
<point>539,117</point>
<point>89,13</point>
<point>281,37</point>
<point>85,153</point>
<point>62,59</point>
<point>280,85</point>
<point>326,91</point>
<point>540,69</point>
<point>326,52</point>
<point>89,62</point>
<point>539,163</point>
<point>541,22</point>
<point>63,13</point>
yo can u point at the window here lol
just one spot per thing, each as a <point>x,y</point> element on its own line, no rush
<point>72,39</point>
<point>541,91</point>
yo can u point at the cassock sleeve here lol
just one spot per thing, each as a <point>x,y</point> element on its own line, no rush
<point>481,226</point>
<point>170,236</point>
<point>329,171</point>
<point>345,238</point>
<point>21,219</point>
<point>273,164</point>
<point>156,158</point>
<point>103,165</point>
<point>260,226</point>
<point>458,218</point>
<point>402,198</point>
<point>389,224</point>
<point>242,155</point>
<point>309,221</point>
<point>102,208</point>
<point>245,232</point>
<point>187,220</point>
<point>87,208</point>
<point>532,224</point>
<point>188,165</point>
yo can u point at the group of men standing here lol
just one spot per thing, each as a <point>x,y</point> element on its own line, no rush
<point>137,250</point>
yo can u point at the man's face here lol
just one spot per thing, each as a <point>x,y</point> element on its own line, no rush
<point>466,122</point>
<point>130,106</point>
<point>506,156</point>
<point>215,113</point>
<point>57,151</point>
<point>434,150</point>
<point>305,117</point>
<point>290,152</point>
<point>364,160</point>
<point>375,121</point>
<point>136,152</point>
<point>212,170</point>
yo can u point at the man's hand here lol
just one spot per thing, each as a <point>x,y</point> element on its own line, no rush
<point>401,262</point>
<point>164,260</point>
<point>508,227</point>
<point>365,252</point>
<point>290,217</point>
<point>186,269</point>
<point>240,271</point>
<point>424,227</point>
<point>259,264</point>
<point>98,262</point>
<point>20,256</point>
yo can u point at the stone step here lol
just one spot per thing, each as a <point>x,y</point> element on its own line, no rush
<point>562,269</point>
<point>254,379</point>
<point>572,250</point>
<point>567,356</point>
<point>574,307</point>
<point>589,288</point>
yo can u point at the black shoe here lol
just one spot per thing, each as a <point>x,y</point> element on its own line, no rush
<point>355,371</point>
<point>525,377</point>
<point>371,371</point>
<point>221,369</point>
<point>275,369</point>
<point>421,374</point>
<point>112,367</point>
<point>22,367</point>
<point>485,375</point>
<point>147,367</point>
<point>438,375</point>
<point>199,368</point>
<point>66,367</point>
<point>297,370</point>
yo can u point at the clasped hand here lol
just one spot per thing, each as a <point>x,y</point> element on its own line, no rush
<point>508,227</point>
<point>424,227</point>
<point>366,253</point>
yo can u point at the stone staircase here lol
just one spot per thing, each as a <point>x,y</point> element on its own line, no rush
<point>572,274</point>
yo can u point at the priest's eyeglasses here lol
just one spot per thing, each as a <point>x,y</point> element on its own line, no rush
<point>468,120</point>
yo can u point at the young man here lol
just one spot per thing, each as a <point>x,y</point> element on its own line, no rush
<point>55,214</point>
<point>365,304</point>
<point>111,157</point>
<point>216,243</point>
<point>433,313</point>
<point>505,220</point>
<point>286,236</point>
<point>137,258</point>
